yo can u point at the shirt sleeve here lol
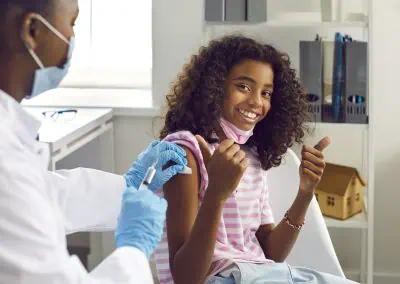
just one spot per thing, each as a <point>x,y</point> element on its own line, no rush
<point>125,265</point>
<point>187,139</point>
<point>90,200</point>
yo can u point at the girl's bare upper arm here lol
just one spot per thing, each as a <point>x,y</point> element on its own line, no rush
<point>181,192</point>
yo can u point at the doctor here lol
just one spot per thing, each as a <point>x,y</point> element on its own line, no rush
<point>38,208</point>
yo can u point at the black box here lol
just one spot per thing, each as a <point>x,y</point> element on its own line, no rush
<point>354,104</point>
<point>311,76</point>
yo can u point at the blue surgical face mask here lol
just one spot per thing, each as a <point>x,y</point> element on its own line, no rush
<point>48,78</point>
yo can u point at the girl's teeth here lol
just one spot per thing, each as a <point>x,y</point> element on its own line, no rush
<point>248,114</point>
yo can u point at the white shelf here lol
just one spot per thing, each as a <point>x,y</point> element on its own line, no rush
<point>358,221</point>
<point>351,126</point>
<point>317,24</point>
<point>295,24</point>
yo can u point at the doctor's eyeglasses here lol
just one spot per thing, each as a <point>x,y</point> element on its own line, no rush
<point>61,115</point>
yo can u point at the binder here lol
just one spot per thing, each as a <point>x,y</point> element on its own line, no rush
<point>214,10</point>
<point>338,77</point>
<point>256,11</point>
<point>311,76</point>
<point>327,111</point>
<point>235,10</point>
<point>355,86</point>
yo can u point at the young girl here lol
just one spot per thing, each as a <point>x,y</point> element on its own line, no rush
<point>246,106</point>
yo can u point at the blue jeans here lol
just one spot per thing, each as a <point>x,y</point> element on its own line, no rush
<point>275,273</point>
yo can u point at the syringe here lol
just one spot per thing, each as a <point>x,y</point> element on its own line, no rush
<point>148,178</point>
<point>151,172</point>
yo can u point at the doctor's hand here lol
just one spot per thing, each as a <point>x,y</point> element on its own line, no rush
<point>312,166</point>
<point>165,152</point>
<point>141,221</point>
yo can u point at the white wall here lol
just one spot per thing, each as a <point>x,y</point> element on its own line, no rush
<point>386,62</point>
<point>177,32</point>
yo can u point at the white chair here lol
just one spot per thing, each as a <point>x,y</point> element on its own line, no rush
<point>314,247</point>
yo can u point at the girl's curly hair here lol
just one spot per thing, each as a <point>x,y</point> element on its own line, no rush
<point>195,101</point>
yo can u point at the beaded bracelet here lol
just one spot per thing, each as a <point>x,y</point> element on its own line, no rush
<point>288,222</point>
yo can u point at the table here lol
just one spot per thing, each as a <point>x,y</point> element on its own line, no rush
<point>66,137</point>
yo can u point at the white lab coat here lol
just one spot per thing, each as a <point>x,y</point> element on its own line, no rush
<point>38,208</point>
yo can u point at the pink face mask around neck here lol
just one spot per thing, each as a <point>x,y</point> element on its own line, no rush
<point>233,132</point>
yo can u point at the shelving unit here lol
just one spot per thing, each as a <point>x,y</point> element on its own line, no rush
<point>295,24</point>
<point>328,125</point>
<point>363,221</point>
<point>358,221</point>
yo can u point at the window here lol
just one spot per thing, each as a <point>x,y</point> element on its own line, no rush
<point>331,201</point>
<point>349,207</point>
<point>358,197</point>
<point>113,45</point>
<point>316,196</point>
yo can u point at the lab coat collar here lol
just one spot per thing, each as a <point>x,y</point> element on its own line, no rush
<point>26,126</point>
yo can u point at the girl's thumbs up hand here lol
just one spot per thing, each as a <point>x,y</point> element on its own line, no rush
<point>312,165</point>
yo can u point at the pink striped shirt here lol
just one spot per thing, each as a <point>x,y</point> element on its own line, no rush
<point>244,212</point>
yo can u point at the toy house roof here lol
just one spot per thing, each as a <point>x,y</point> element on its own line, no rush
<point>336,179</point>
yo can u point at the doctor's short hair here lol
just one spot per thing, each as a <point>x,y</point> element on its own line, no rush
<point>16,8</point>
<point>42,7</point>
<point>195,100</point>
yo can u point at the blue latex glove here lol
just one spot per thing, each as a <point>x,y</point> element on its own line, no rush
<point>141,221</point>
<point>166,152</point>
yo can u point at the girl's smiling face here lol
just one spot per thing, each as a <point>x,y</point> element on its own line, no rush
<point>249,89</point>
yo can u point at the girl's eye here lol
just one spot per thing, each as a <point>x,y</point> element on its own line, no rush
<point>266,94</point>
<point>244,87</point>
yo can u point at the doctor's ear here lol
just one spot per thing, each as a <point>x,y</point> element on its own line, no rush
<point>31,30</point>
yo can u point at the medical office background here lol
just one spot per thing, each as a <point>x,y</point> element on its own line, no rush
<point>128,52</point>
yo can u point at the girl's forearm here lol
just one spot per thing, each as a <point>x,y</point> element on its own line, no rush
<point>278,243</point>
